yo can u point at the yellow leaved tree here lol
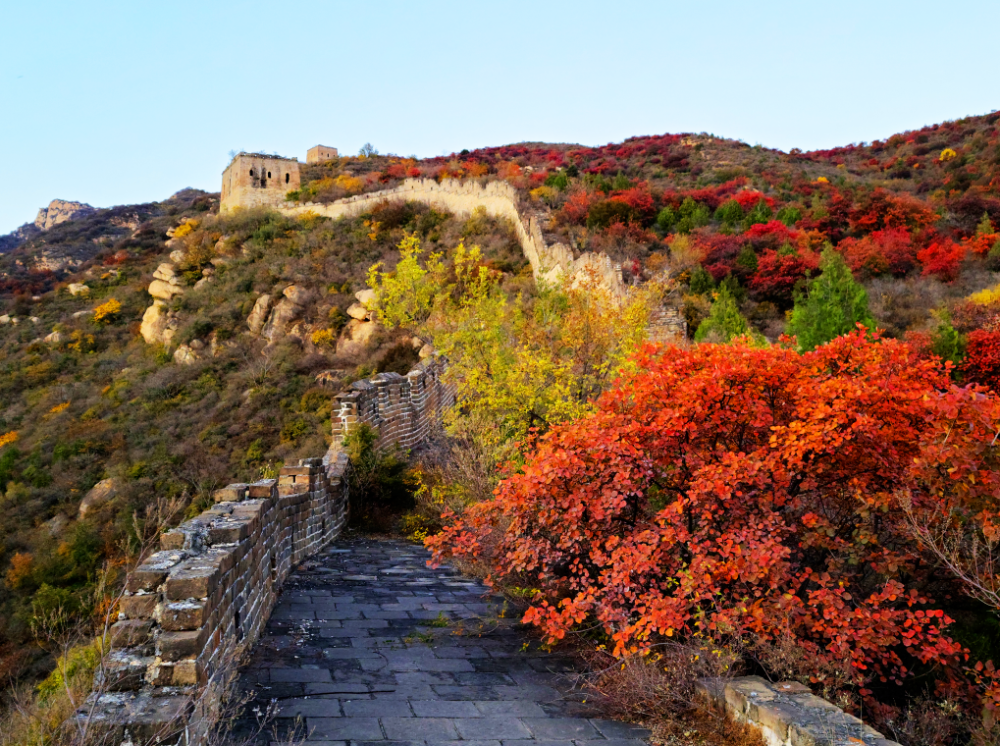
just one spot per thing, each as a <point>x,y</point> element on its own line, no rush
<point>519,361</point>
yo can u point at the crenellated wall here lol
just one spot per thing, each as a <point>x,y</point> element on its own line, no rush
<point>192,606</point>
<point>403,409</point>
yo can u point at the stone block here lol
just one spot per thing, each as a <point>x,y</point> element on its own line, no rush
<point>139,607</point>
<point>231,493</point>
<point>175,646</point>
<point>183,615</point>
<point>153,572</point>
<point>130,633</point>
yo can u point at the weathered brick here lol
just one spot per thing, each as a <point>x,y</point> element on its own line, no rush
<point>130,633</point>
<point>151,573</point>
<point>175,646</point>
<point>183,615</point>
<point>139,607</point>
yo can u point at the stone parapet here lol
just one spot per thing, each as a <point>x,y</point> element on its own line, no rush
<point>190,607</point>
<point>789,714</point>
<point>402,409</point>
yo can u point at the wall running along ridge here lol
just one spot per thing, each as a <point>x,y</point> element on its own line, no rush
<point>191,608</point>
<point>550,263</point>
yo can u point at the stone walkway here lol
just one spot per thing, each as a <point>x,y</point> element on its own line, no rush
<point>369,645</point>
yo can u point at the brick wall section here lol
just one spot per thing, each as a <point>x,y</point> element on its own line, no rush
<point>403,409</point>
<point>210,589</point>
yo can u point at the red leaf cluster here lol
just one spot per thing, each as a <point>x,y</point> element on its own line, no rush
<point>730,490</point>
<point>982,359</point>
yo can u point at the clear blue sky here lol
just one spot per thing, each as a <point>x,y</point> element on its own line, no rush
<point>123,102</point>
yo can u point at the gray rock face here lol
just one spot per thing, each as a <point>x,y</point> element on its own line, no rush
<point>98,495</point>
<point>258,316</point>
<point>59,211</point>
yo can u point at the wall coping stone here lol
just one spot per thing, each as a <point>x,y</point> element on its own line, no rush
<point>789,714</point>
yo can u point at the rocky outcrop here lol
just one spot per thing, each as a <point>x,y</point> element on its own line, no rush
<point>98,495</point>
<point>287,311</point>
<point>360,330</point>
<point>258,316</point>
<point>159,323</point>
<point>77,288</point>
<point>166,283</point>
<point>357,311</point>
<point>59,211</point>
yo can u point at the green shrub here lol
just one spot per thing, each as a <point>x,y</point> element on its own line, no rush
<point>380,481</point>
<point>789,216</point>
<point>701,281</point>
<point>729,213</point>
<point>761,213</point>
<point>833,304</point>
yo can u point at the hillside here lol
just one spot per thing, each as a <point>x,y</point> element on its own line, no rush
<point>221,386</point>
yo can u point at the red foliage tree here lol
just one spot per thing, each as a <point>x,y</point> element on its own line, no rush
<point>732,490</point>
<point>777,274</point>
<point>982,359</point>
<point>889,251</point>
<point>942,258</point>
<point>882,209</point>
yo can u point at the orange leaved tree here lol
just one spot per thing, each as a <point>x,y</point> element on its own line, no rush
<point>752,492</point>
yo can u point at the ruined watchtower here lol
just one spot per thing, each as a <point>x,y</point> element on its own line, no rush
<point>257,179</point>
<point>320,153</point>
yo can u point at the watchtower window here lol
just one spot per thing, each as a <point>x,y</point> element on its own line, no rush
<point>269,174</point>
<point>251,172</point>
<point>287,176</point>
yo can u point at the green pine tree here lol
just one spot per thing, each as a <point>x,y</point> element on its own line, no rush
<point>833,305</point>
<point>724,320</point>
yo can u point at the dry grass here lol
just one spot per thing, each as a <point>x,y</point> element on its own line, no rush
<point>660,690</point>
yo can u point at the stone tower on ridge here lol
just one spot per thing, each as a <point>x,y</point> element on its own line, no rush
<point>257,179</point>
<point>320,153</point>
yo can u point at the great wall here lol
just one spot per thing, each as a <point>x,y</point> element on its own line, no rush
<point>192,609</point>
<point>189,608</point>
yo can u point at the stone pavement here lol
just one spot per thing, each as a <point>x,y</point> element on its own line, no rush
<point>369,645</point>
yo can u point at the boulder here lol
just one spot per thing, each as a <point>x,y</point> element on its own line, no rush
<point>57,524</point>
<point>99,494</point>
<point>277,326</point>
<point>185,355</point>
<point>356,336</point>
<point>425,352</point>
<point>6,319</point>
<point>164,290</point>
<point>158,324</point>
<point>357,311</point>
<point>258,316</point>
<point>177,256</point>
<point>53,338</point>
<point>298,295</point>
<point>77,288</point>
<point>166,283</point>
<point>366,298</point>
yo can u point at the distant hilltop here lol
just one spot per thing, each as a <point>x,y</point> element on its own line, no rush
<point>58,211</point>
